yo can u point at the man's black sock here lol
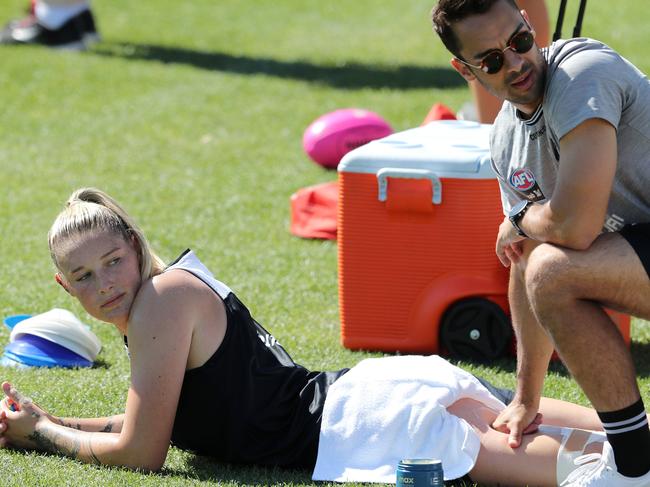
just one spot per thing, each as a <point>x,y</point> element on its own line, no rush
<point>628,433</point>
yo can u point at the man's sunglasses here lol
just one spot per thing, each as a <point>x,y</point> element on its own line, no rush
<point>492,63</point>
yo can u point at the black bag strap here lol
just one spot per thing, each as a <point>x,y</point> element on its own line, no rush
<point>560,19</point>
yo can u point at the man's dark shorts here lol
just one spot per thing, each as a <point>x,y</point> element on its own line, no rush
<point>638,236</point>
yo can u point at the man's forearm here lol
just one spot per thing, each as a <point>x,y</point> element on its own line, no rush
<point>545,223</point>
<point>534,347</point>
<point>534,350</point>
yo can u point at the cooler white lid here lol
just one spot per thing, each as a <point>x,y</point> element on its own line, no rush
<point>450,148</point>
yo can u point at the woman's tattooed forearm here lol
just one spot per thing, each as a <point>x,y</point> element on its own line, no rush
<point>108,428</point>
<point>53,442</point>
<point>92,453</point>
<point>68,424</point>
<point>66,443</point>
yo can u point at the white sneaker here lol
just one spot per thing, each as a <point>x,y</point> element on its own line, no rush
<point>600,470</point>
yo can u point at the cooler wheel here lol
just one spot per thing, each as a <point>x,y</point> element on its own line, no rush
<point>475,329</point>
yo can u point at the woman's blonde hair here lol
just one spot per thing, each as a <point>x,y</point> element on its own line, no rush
<point>89,209</point>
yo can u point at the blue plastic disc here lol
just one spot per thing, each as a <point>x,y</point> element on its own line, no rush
<point>7,362</point>
<point>11,321</point>
<point>38,352</point>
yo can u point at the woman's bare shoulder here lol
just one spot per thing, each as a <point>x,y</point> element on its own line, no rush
<point>174,295</point>
<point>171,284</point>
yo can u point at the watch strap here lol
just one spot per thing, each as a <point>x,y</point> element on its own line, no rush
<point>516,218</point>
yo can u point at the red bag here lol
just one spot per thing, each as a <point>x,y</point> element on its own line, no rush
<point>439,112</point>
<point>313,211</point>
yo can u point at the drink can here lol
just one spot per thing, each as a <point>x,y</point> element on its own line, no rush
<point>420,472</point>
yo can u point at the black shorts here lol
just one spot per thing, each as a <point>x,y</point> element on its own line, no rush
<point>638,236</point>
<point>504,395</point>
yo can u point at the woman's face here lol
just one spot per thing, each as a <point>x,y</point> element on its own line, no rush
<point>102,271</point>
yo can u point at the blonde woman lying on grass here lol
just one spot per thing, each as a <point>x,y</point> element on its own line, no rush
<point>206,377</point>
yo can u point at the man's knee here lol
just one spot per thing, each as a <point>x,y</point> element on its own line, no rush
<point>548,276</point>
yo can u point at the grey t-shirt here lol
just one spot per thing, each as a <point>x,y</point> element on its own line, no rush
<point>585,79</point>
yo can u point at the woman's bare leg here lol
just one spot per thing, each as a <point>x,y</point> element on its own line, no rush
<point>534,463</point>
<point>569,415</point>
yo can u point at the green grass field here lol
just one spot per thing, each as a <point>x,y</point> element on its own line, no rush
<point>192,114</point>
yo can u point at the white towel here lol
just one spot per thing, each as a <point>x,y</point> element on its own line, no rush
<point>388,409</point>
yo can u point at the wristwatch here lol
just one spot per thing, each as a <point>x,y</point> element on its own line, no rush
<point>516,214</point>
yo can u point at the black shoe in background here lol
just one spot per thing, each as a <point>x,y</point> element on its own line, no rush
<point>76,34</point>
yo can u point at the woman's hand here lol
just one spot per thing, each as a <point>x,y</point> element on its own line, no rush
<point>20,419</point>
<point>3,428</point>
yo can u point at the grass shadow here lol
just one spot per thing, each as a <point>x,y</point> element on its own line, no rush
<point>101,364</point>
<point>640,355</point>
<point>349,75</point>
<point>207,470</point>
<point>509,365</point>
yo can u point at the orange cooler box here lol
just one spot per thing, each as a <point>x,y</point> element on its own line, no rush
<point>419,212</point>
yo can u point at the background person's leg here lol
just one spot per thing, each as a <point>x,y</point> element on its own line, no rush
<point>59,3</point>
<point>54,13</point>
<point>60,24</point>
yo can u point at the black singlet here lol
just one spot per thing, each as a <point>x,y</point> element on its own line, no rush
<point>250,402</point>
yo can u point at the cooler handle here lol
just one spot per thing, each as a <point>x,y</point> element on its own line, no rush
<point>389,172</point>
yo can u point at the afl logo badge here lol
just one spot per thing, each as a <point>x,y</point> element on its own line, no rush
<point>522,180</point>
